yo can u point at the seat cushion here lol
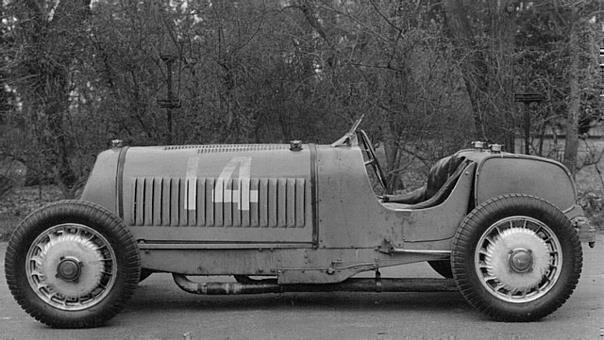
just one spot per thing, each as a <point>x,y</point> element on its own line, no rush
<point>441,180</point>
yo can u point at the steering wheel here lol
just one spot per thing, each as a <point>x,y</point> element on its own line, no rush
<point>372,159</point>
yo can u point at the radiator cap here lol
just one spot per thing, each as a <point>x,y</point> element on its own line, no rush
<point>295,145</point>
<point>117,143</point>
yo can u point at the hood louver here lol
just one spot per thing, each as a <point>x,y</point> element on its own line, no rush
<point>207,202</point>
<point>228,147</point>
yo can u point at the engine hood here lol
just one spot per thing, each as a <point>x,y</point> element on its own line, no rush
<point>214,161</point>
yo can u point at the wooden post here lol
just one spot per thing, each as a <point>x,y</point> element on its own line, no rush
<point>527,98</point>
<point>527,127</point>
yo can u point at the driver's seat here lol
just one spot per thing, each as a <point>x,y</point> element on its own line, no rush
<point>441,179</point>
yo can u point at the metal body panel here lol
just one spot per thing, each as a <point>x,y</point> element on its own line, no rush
<point>502,173</point>
<point>101,187</point>
<point>227,193</point>
<point>351,216</point>
<point>295,265</point>
<point>547,180</point>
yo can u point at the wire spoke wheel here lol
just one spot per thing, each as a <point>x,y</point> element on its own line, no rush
<point>516,258</point>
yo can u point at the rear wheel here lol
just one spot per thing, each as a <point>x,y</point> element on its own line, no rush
<point>516,258</point>
<point>72,264</point>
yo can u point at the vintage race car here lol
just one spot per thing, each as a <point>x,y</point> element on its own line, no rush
<point>503,229</point>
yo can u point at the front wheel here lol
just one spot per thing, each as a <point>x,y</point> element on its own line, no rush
<point>72,264</point>
<point>516,258</point>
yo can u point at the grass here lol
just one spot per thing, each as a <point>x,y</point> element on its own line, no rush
<point>7,223</point>
<point>591,194</point>
<point>20,202</point>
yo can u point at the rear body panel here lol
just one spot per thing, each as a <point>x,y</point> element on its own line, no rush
<point>505,173</point>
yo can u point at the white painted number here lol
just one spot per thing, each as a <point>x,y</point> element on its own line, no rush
<point>221,193</point>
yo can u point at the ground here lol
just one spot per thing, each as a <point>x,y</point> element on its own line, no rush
<point>159,310</point>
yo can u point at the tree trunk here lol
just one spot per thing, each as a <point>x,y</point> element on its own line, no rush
<point>487,64</point>
<point>391,150</point>
<point>5,186</point>
<point>55,109</point>
<point>574,103</point>
<point>49,56</point>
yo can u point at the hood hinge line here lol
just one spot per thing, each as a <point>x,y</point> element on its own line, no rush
<point>314,194</point>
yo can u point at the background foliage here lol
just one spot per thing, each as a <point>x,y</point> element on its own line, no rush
<point>429,75</point>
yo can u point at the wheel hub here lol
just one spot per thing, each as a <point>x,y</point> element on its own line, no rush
<point>69,269</point>
<point>521,260</point>
<point>518,258</point>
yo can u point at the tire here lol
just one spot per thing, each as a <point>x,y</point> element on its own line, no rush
<point>442,267</point>
<point>72,264</point>
<point>516,258</point>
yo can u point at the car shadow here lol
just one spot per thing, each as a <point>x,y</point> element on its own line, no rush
<point>151,296</point>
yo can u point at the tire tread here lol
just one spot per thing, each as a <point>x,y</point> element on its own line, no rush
<point>80,210</point>
<point>463,243</point>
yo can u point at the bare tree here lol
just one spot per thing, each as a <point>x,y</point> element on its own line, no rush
<point>47,41</point>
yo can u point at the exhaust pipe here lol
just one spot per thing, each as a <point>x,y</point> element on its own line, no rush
<point>351,285</point>
<point>226,288</point>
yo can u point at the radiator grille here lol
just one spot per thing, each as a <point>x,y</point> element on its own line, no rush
<point>208,202</point>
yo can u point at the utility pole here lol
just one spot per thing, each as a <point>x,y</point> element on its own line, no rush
<point>602,70</point>
<point>171,102</point>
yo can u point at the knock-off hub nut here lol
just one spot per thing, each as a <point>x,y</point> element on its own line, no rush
<point>69,269</point>
<point>521,260</point>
